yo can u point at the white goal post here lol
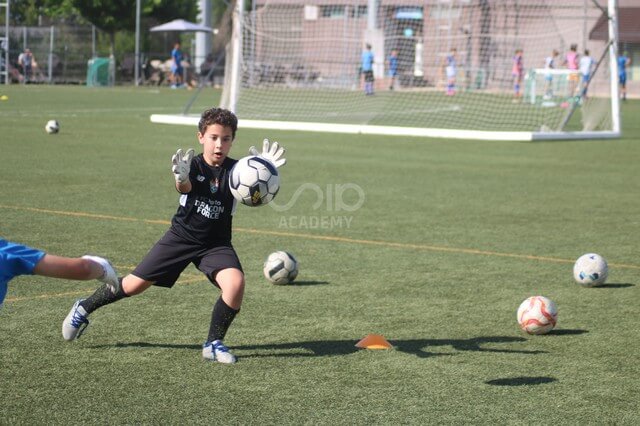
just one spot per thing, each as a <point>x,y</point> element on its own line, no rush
<point>298,65</point>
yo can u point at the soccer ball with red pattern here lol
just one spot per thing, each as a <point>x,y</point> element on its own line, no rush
<point>537,315</point>
<point>254,181</point>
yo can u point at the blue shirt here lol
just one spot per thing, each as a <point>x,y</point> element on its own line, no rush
<point>451,61</point>
<point>367,60</point>
<point>16,259</point>
<point>622,65</point>
<point>176,54</point>
<point>393,65</point>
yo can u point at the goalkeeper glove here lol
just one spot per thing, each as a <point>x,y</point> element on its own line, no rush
<point>181,164</point>
<point>273,153</point>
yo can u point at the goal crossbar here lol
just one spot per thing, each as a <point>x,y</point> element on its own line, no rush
<point>192,120</point>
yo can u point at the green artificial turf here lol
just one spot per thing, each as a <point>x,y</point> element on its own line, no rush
<point>431,243</point>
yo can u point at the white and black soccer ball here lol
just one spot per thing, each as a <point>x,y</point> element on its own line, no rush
<point>254,181</point>
<point>537,315</point>
<point>590,270</point>
<point>280,268</point>
<point>52,127</point>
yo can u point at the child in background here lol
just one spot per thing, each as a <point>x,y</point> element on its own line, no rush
<point>517,70</point>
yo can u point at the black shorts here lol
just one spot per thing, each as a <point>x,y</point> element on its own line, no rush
<point>368,76</point>
<point>172,254</point>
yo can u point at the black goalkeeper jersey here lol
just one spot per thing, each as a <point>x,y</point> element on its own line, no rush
<point>204,215</point>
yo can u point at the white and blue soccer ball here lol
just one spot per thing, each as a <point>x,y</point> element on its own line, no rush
<point>280,268</point>
<point>52,127</point>
<point>537,315</point>
<point>590,270</point>
<point>254,181</point>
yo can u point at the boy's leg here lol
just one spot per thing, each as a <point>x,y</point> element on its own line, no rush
<point>231,282</point>
<point>162,266</point>
<point>76,320</point>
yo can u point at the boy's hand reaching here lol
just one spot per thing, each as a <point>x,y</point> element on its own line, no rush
<point>273,153</point>
<point>181,164</point>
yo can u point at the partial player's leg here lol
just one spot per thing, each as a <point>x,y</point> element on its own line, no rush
<point>85,268</point>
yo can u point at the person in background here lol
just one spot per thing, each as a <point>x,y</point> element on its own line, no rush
<point>25,60</point>
<point>517,71</point>
<point>392,63</point>
<point>367,69</point>
<point>549,64</point>
<point>623,62</point>
<point>176,66</point>
<point>572,62</point>
<point>451,70</point>
<point>586,68</point>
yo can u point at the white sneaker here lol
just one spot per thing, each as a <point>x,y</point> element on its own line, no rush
<point>216,351</point>
<point>110,277</point>
<point>75,323</point>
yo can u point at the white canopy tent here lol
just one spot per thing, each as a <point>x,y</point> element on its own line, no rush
<point>180,25</point>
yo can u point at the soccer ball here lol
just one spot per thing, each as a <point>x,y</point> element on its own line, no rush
<point>590,270</point>
<point>254,181</point>
<point>52,127</point>
<point>537,315</point>
<point>280,267</point>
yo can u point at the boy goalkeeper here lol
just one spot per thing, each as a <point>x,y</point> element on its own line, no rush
<point>200,233</point>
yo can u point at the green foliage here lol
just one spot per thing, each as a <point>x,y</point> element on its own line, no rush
<point>116,15</point>
<point>451,237</point>
<point>29,12</point>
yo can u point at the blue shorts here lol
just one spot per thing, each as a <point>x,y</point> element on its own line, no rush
<point>16,259</point>
<point>622,79</point>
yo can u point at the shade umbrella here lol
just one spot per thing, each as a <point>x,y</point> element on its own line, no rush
<point>180,25</point>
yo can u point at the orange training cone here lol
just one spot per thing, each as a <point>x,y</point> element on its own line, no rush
<point>374,341</point>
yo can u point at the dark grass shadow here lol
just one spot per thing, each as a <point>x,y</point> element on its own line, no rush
<point>121,345</point>
<point>313,348</point>
<point>614,285</point>
<point>520,381</point>
<point>562,332</point>
<point>304,283</point>
<point>417,347</point>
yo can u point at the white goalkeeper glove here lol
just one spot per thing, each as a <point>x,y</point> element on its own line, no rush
<point>273,153</point>
<point>181,164</point>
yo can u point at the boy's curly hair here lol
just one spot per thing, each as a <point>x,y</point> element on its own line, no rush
<point>220,116</point>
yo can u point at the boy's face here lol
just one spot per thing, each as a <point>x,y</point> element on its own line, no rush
<point>216,143</point>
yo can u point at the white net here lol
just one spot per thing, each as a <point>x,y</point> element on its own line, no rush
<point>478,65</point>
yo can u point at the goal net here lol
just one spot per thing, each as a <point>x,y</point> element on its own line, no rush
<point>492,69</point>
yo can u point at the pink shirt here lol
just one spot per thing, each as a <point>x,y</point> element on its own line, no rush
<point>518,66</point>
<point>572,60</point>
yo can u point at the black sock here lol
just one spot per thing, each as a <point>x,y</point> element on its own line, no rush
<point>103,296</point>
<point>221,318</point>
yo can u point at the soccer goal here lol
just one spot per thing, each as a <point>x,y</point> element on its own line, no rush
<point>472,69</point>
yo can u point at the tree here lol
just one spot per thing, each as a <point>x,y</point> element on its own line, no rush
<point>112,16</point>
<point>30,12</point>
